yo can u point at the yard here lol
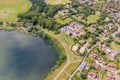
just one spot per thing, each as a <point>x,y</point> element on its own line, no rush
<point>9,9</point>
<point>92,18</point>
<point>65,21</point>
<point>115,46</point>
<point>55,2</point>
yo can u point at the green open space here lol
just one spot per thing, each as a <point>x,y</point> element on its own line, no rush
<point>9,9</point>
<point>55,2</point>
<point>115,46</point>
<point>71,57</point>
<point>72,67</point>
<point>92,18</point>
<point>65,21</point>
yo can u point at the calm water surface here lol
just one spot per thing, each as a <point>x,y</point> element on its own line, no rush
<point>24,57</point>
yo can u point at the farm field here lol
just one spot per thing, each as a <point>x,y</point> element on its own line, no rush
<point>9,9</point>
<point>55,2</point>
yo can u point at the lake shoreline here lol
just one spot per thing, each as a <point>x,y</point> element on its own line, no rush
<point>52,40</point>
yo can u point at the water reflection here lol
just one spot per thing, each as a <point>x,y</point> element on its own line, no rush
<point>24,57</point>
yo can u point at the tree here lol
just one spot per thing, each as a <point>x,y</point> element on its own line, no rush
<point>35,20</point>
<point>44,36</point>
<point>1,23</point>
<point>75,40</point>
<point>85,36</point>
<point>83,76</point>
<point>101,21</point>
<point>13,24</point>
<point>118,35</point>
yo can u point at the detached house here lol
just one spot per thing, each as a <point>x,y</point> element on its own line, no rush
<point>111,53</point>
<point>92,76</point>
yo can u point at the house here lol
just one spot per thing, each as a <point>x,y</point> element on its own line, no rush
<point>83,66</point>
<point>80,17</point>
<point>110,76</point>
<point>111,53</point>
<point>68,5</point>
<point>111,6</point>
<point>64,12</point>
<point>94,5</point>
<point>84,47</point>
<point>99,65</point>
<point>76,25</point>
<point>85,1</point>
<point>111,0</point>
<point>116,74</point>
<point>92,76</point>
<point>113,75</point>
<point>74,29</point>
<point>75,47</point>
<point>82,50</point>
<point>81,1</point>
<point>110,25</point>
<point>111,66</point>
<point>94,56</point>
<point>93,29</point>
<point>118,30</point>
<point>116,16</point>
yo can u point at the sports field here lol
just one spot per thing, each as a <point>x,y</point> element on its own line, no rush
<point>9,9</point>
<point>55,2</point>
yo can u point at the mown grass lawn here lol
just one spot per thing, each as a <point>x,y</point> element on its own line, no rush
<point>55,2</point>
<point>72,67</point>
<point>115,46</point>
<point>9,9</point>
<point>65,21</point>
<point>68,71</point>
<point>92,18</point>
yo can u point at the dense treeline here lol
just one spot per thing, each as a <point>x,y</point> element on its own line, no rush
<point>41,14</point>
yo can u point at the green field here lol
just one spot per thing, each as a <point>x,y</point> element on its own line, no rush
<point>65,21</point>
<point>92,18</point>
<point>55,2</point>
<point>9,9</point>
<point>115,46</point>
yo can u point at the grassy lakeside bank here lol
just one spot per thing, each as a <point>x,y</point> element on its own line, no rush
<point>67,67</point>
<point>59,50</point>
<point>57,47</point>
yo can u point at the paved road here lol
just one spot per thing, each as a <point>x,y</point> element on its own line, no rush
<point>83,60</point>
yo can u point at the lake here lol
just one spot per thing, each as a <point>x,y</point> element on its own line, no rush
<point>24,57</point>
